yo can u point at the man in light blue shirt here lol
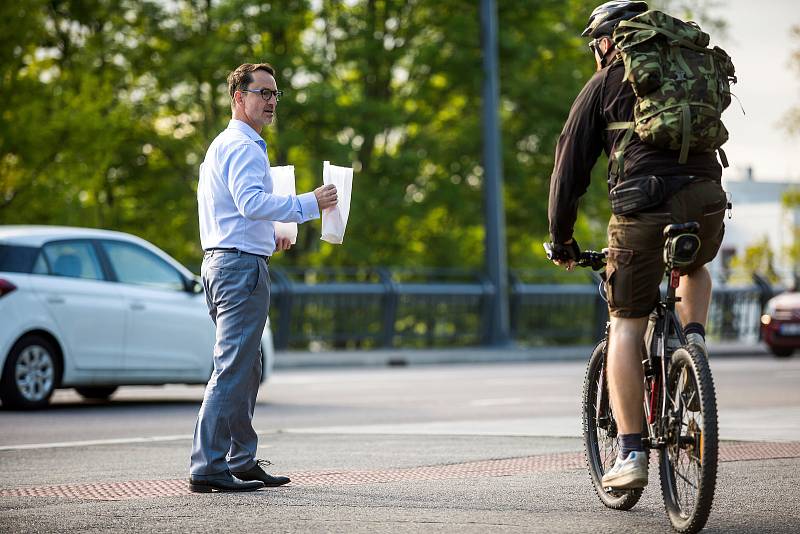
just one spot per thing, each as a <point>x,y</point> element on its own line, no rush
<point>236,209</point>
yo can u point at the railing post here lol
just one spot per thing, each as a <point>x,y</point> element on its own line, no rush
<point>764,289</point>
<point>765,292</point>
<point>488,295</point>
<point>281,334</point>
<point>390,301</point>
<point>514,304</point>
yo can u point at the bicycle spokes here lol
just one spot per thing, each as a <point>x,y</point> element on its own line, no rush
<point>685,440</point>
<point>601,438</point>
<point>689,459</point>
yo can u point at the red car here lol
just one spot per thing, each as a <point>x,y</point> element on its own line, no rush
<point>780,324</point>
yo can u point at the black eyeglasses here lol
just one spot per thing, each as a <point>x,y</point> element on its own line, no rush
<point>266,94</point>
<point>594,44</point>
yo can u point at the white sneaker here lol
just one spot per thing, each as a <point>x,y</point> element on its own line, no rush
<point>698,341</point>
<point>630,473</point>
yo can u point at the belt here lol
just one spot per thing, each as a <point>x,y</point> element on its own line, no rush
<point>236,250</point>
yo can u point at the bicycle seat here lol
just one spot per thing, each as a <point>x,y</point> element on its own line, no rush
<point>686,228</point>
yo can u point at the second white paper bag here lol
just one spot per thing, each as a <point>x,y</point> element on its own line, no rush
<point>334,220</point>
<point>283,185</point>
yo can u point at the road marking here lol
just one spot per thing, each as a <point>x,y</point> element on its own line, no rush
<point>115,441</point>
<point>496,402</point>
<point>482,468</point>
<point>568,426</point>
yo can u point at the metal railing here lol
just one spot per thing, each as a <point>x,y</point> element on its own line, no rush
<point>323,309</point>
<point>346,308</point>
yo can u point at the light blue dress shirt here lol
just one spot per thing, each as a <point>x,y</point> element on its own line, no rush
<point>234,194</point>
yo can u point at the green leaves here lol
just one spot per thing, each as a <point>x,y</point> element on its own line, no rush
<point>109,107</point>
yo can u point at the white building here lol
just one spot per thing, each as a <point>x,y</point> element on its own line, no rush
<point>758,213</point>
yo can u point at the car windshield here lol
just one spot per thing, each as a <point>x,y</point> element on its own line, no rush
<point>17,258</point>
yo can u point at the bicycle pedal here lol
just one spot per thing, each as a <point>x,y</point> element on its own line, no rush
<point>620,491</point>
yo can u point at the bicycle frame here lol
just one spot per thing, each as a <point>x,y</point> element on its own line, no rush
<point>664,322</point>
<point>680,417</point>
<point>656,363</point>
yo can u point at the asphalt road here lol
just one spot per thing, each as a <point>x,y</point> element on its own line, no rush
<point>456,448</point>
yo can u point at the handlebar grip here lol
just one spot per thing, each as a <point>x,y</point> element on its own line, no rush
<point>548,249</point>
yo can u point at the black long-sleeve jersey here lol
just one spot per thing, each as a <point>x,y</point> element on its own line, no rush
<point>607,98</point>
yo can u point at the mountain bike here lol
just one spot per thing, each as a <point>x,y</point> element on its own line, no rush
<point>680,409</point>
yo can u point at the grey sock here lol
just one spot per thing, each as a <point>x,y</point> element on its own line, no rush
<point>629,443</point>
<point>694,328</point>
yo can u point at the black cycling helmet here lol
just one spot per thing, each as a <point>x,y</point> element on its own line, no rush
<point>605,17</point>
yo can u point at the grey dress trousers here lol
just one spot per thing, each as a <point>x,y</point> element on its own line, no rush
<point>237,290</point>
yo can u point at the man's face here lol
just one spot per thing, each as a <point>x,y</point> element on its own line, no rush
<point>600,47</point>
<point>257,111</point>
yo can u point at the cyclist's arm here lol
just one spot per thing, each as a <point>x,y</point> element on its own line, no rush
<point>578,148</point>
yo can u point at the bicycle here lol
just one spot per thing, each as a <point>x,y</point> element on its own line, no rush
<point>680,410</point>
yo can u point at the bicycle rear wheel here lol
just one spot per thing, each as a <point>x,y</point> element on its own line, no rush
<point>688,462</point>
<point>600,437</point>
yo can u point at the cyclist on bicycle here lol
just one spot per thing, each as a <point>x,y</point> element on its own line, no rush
<point>635,265</point>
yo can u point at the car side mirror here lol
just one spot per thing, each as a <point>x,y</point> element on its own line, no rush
<point>195,286</point>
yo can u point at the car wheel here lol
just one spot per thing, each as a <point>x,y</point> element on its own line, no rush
<point>782,352</point>
<point>96,392</point>
<point>30,374</point>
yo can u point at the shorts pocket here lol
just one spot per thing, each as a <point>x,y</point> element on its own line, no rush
<point>715,208</point>
<point>618,276</point>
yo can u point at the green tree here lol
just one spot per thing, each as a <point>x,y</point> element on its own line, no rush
<point>759,259</point>
<point>792,120</point>
<point>109,106</point>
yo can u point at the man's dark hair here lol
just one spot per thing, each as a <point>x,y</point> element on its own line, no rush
<point>240,78</point>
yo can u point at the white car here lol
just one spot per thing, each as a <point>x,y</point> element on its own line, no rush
<point>94,310</point>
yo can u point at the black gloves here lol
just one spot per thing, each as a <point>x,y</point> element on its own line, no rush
<point>562,252</point>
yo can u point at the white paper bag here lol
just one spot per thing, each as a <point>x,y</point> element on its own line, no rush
<point>283,185</point>
<point>334,220</point>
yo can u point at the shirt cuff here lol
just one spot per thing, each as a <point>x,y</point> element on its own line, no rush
<point>309,209</point>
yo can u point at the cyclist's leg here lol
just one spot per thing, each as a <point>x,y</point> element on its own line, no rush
<point>704,202</point>
<point>624,372</point>
<point>695,295</point>
<point>626,390</point>
<point>633,272</point>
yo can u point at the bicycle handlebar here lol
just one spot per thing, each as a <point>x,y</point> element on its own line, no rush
<point>587,258</point>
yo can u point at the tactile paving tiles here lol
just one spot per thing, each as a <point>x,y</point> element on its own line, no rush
<point>137,489</point>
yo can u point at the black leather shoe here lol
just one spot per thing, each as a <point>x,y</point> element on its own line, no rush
<point>223,482</point>
<point>257,473</point>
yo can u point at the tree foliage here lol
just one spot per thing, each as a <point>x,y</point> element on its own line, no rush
<point>109,106</point>
<point>792,119</point>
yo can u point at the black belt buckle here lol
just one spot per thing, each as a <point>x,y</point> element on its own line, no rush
<point>237,251</point>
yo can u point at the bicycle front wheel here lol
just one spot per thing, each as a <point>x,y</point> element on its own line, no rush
<point>688,462</point>
<point>600,436</point>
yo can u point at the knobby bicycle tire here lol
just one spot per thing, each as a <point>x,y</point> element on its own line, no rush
<point>688,462</point>
<point>601,446</point>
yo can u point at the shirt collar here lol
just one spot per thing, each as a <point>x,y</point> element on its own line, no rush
<point>245,128</point>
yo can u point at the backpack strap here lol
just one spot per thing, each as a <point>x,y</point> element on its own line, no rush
<point>686,134</point>
<point>723,157</point>
<point>618,163</point>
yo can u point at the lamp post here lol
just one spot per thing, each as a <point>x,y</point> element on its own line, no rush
<point>494,213</point>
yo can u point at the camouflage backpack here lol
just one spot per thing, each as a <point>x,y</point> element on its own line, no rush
<point>681,86</point>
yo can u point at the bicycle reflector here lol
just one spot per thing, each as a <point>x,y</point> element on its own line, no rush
<point>681,250</point>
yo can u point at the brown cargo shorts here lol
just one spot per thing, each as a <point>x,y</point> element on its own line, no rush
<point>635,265</point>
